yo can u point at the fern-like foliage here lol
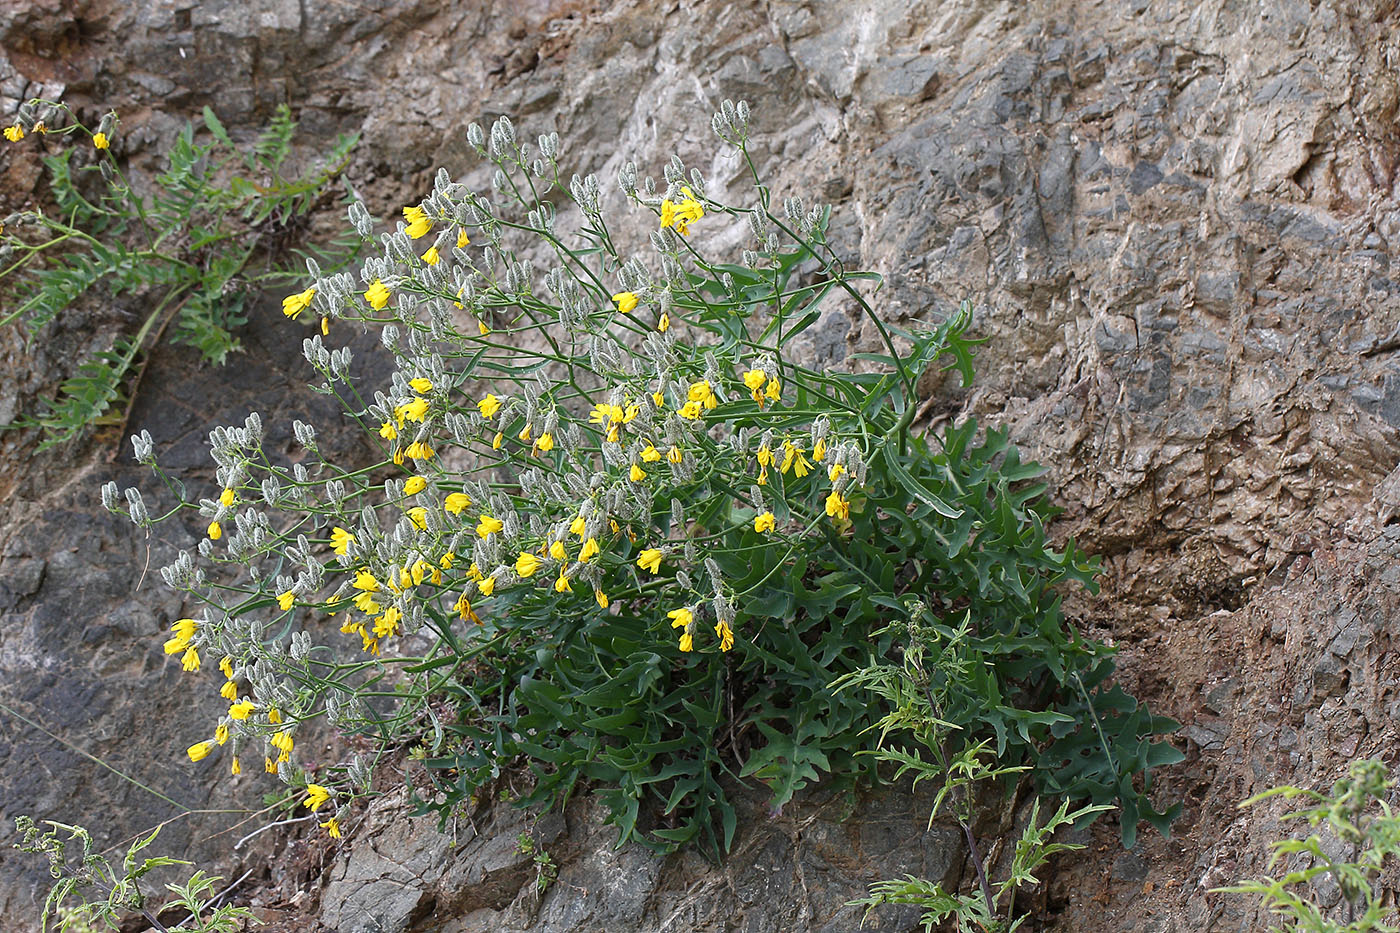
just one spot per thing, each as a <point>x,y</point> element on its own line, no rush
<point>191,249</point>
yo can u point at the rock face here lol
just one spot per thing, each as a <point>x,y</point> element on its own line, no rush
<point>1176,219</point>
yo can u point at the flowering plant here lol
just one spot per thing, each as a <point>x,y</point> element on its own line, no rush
<point>617,530</point>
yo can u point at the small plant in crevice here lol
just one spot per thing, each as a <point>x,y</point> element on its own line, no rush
<point>1356,852</point>
<point>89,893</point>
<point>619,533</point>
<point>213,228</point>
<point>942,695</point>
<point>546,871</point>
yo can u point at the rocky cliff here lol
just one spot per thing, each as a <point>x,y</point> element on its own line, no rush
<point>1176,219</point>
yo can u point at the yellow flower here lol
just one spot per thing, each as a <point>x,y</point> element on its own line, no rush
<point>229,691</point>
<point>226,497</point>
<point>687,641</point>
<point>226,665</point>
<point>414,485</point>
<point>341,539</point>
<point>184,629</point>
<point>664,324</point>
<point>578,526</point>
<point>764,456</point>
<point>457,502</point>
<point>377,295</point>
<point>562,584</point>
<point>488,525</point>
<point>482,329</point>
<point>725,635</point>
<point>755,378</point>
<point>602,598</point>
<point>650,454</point>
<point>793,457</point>
<point>773,391</point>
<point>14,133</point>
<point>199,750</point>
<point>545,443</point>
<point>691,411</point>
<point>590,550</point>
<point>680,618</point>
<point>487,586</point>
<point>332,827</point>
<point>241,710</point>
<point>447,561</point>
<point>216,531</point>
<point>819,450</point>
<point>285,600</point>
<point>626,301</point>
<point>388,431</point>
<point>293,305</point>
<point>650,559</point>
<point>221,733</point>
<point>419,516</point>
<point>659,399</point>
<point>837,506</point>
<point>496,441</point>
<point>764,522</point>
<point>702,392</point>
<point>420,385</point>
<point>524,435</point>
<point>234,767</point>
<point>835,471</point>
<point>269,766</point>
<point>418,451</point>
<point>526,564</point>
<point>190,660</point>
<point>419,223</point>
<point>674,455</point>
<point>274,717</point>
<point>365,581</point>
<point>462,239</point>
<point>414,410</point>
<point>558,551</point>
<point>431,256</point>
<point>316,796</point>
<point>636,474</point>
<point>463,607</point>
<point>325,326</point>
<point>282,741</point>
<point>100,141</point>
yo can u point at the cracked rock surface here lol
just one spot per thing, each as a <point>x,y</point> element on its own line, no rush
<point>1177,220</point>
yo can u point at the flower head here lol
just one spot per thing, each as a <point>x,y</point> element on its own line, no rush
<point>100,141</point>
<point>377,295</point>
<point>316,796</point>
<point>341,539</point>
<point>14,133</point>
<point>199,750</point>
<point>650,559</point>
<point>764,522</point>
<point>419,223</point>
<point>431,257</point>
<point>626,301</point>
<point>293,305</point>
<point>457,502</point>
<point>526,564</point>
<point>488,525</point>
<point>488,407</point>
